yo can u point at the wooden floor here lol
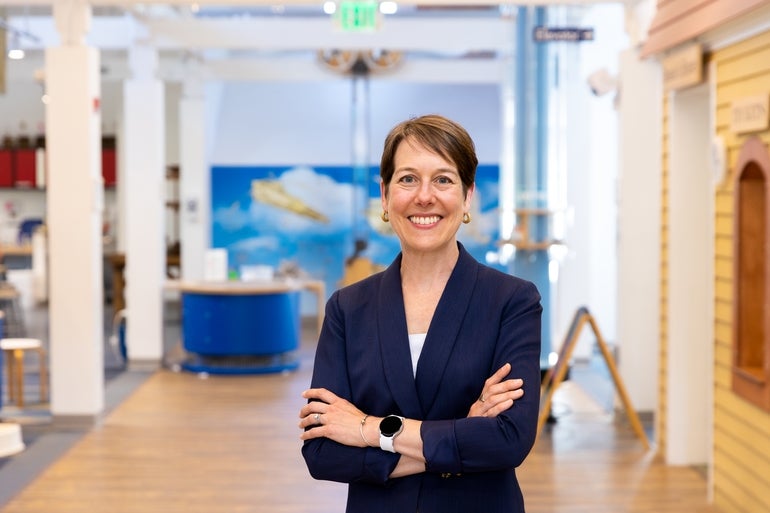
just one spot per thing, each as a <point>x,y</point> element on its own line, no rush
<point>187,444</point>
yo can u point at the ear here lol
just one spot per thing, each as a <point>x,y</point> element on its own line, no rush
<point>383,196</point>
<point>469,197</point>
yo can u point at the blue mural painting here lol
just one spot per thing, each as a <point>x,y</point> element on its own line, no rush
<point>303,217</point>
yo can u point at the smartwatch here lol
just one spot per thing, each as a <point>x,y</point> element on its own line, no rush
<point>390,427</point>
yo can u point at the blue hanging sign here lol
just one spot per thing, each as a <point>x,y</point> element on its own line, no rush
<point>542,34</point>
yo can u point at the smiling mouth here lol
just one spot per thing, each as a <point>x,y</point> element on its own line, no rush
<point>424,220</point>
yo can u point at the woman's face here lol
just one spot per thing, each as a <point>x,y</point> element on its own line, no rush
<point>424,200</point>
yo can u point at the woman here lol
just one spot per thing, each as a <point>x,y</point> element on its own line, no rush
<point>426,384</point>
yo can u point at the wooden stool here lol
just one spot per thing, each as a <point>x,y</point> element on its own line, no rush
<point>14,349</point>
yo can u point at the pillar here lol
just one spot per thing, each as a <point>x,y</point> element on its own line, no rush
<point>144,165</point>
<point>74,217</point>
<point>194,185</point>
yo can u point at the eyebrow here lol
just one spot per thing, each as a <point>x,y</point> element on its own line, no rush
<point>439,170</point>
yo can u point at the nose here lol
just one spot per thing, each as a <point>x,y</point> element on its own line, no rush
<point>425,193</point>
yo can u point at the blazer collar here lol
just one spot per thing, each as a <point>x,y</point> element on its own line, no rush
<point>394,342</point>
<point>416,398</point>
<point>444,328</point>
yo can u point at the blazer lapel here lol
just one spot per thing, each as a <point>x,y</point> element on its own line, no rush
<point>444,327</point>
<point>394,342</point>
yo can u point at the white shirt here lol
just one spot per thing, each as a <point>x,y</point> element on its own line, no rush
<point>416,341</point>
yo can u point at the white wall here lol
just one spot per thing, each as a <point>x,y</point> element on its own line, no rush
<point>690,271</point>
<point>587,274</point>
<point>639,214</point>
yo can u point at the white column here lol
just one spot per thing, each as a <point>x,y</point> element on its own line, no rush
<point>194,188</point>
<point>144,195</point>
<point>74,207</point>
<point>639,214</point>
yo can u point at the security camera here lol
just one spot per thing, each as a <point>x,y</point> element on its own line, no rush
<point>601,82</point>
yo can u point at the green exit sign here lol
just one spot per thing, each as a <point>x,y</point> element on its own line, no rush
<point>358,15</point>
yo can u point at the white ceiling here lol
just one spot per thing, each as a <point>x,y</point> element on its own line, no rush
<point>447,40</point>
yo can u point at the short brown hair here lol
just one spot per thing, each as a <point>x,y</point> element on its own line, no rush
<point>439,134</point>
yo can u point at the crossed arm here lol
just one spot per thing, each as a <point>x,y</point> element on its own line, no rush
<point>335,418</point>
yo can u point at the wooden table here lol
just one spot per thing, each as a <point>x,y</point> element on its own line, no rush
<point>14,256</point>
<point>15,250</point>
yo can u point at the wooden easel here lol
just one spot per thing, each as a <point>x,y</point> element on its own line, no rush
<point>555,374</point>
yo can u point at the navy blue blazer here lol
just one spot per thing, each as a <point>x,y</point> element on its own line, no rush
<point>484,319</point>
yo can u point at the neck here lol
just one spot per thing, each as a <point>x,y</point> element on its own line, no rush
<point>424,269</point>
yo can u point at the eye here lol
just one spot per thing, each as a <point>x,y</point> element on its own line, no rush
<point>407,179</point>
<point>444,180</point>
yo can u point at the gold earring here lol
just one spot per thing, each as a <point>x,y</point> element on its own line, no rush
<point>466,218</point>
<point>384,216</point>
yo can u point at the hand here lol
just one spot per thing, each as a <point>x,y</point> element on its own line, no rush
<point>497,395</point>
<point>330,416</point>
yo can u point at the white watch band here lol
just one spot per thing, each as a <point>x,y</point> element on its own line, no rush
<point>386,443</point>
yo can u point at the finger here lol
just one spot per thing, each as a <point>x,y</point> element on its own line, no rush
<point>499,408</point>
<point>495,385</point>
<point>494,401</point>
<point>320,394</point>
<point>308,422</point>
<point>506,386</point>
<point>311,408</point>
<point>494,379</point>
<point>504,370</point>
<point>498,376</point>
<point>316,432</point>
<point>512,384</point>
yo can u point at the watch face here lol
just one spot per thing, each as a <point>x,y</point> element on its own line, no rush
<point>390,425</point>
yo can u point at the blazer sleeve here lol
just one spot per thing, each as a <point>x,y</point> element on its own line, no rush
<point>481,444</point>
<point>325,458</point>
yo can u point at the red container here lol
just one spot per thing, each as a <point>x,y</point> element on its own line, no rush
<point>109,167</point>
<point>6,168</point>
<point>25,169</point>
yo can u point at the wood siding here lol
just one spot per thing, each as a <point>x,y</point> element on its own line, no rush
<point>677,21</point>
<point>741,430</point>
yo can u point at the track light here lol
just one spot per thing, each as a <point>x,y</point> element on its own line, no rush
<point>14,50</point>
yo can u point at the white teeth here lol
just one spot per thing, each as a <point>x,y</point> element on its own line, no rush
<point>424,220</point>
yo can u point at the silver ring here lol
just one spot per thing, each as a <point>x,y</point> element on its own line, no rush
<point>317,418</point>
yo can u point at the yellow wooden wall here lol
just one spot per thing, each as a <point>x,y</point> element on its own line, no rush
<point>741,430</point>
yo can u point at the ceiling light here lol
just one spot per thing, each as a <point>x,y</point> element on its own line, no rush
<point>14,50</point>
<point>388,7</point>
<point>330,7</point>
<point>16,54</point>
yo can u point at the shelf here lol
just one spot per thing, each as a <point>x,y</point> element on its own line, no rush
<point>530,245</point>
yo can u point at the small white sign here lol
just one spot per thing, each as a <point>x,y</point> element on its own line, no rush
<point>215,265</point>
<point>750,114</point>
